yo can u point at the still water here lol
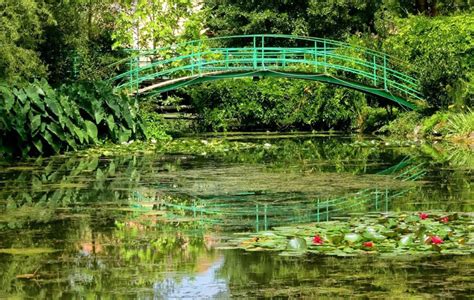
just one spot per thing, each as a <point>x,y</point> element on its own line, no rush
<point>150,222</point>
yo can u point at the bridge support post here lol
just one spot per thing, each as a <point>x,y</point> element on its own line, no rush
<point>317,212</point>
<point>327,210</point>
<point>227,58</point>
<point>254,52</point>
<point>284,59</point>
<point>133,81</point>
<point>375,70</point>
<point>137,74</point>
<point>130,82</point>
<point>257,224</point>
<point>325,56</point>
<point>199,63</point>
<point>192,60</point>
<point>376,199</point>
<point>316,56</point>
<point>265,218</point>
<point>263,52</point>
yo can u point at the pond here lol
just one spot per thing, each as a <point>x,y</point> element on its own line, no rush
<point>152,221</point>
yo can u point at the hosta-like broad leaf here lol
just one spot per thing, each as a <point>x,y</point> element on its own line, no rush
<point>35,123</point>
<point>91,130</point>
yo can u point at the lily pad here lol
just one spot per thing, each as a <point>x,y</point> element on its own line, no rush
<point>392,234</point>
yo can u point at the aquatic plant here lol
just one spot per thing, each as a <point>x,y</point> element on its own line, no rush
<point>393,234</point>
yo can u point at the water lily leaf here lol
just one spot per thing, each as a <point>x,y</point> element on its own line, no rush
<point>372,235</point>
<point>352,237</point>
<point>406,240</point>
<point>297,244</point>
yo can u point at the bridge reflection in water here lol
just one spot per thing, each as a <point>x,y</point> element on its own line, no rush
<point>263,210</point>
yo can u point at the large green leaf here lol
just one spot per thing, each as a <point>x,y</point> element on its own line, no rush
<point>56,130</point>
<point>114,106</point>
<point>124,135</point>
<point>51,142</point>
<point>35,123</point>
<point>32,94</point>
<point>8,97</point>
<point>110,122</point>
<point>53,105</point>
<point>38,144</point>
<point>20,94</point>
<point>91,129</point>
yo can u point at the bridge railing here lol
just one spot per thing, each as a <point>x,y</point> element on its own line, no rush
<point>270,53</point>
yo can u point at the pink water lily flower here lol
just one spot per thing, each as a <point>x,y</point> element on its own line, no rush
<point>444,220</point>
<point>423,216</point>
<point>368,244</point>
<point>436,240</point>
<point>317,240</point>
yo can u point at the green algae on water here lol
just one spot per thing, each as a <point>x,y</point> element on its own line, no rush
<point>27,251</point>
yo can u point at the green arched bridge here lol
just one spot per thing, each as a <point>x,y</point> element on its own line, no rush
<point>179,65</point>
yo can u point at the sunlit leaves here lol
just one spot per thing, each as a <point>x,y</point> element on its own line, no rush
<point>155,23</point>
<point>38,120</point>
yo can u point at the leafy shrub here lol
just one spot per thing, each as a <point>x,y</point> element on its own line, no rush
<point>37,120</point>
<point>430,124</point>
<point>275,104</point>
<point>115,115</point>
<point>372,118</point>
<point>404,125</point>
<point>154,125</point>
<point>460,124</point>
<point>441,51</point>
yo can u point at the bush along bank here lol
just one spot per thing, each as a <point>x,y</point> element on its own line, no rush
<point>453,126</point>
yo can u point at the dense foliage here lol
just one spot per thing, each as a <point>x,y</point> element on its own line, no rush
<point>22,25</point>
<point>275,104</point>
<point>442,49</point>
<point>433,37</point>
<point>37,119</point>
<point>72,40</point>
<point>305,18</point>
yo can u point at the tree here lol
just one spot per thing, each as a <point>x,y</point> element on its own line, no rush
<point>332,18</point>
<point>22,23</point>
<point>79,43</point>
<point>441,51</point>
<point>154,23</point>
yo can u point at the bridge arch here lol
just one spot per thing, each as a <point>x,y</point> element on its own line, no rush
<point>268,55</point>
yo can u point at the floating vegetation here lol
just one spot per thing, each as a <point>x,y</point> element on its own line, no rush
<point>393,234</point>
<point>27,251</point>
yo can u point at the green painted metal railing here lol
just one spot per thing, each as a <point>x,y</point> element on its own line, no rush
<point>180,65</point>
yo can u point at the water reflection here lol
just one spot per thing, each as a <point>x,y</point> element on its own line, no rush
<point>203,285</point>
<point>146,226</point>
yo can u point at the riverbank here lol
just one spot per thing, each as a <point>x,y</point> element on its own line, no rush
<point>449,126</point>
